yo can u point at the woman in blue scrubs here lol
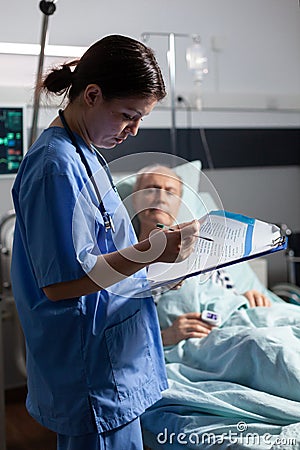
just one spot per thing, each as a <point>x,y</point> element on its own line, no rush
<point>94,355</point>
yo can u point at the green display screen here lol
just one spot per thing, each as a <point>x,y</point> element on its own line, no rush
<point>11,139</point>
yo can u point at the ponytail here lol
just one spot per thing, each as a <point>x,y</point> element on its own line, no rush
<point>59,80</point>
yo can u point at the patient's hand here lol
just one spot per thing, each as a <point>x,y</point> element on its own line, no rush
<point>256,298</point>
<point>186,326</point>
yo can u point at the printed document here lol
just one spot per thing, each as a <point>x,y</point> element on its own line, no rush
<point>225,238</point>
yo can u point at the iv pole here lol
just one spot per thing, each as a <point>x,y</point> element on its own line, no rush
<point>172,78</point>
<point>172,74</point>
<point>48,8</point>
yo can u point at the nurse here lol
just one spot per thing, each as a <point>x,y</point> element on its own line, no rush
<point>94,355</point>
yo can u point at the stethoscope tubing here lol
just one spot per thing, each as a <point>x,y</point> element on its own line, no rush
<point>108,222</point>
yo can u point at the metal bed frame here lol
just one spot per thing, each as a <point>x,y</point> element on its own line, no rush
<point>3,287</point>
<point>5,293</point>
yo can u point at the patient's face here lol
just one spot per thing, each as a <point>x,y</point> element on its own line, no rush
<point>158,198</point>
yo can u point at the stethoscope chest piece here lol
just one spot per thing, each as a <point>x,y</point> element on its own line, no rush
<point>108,222</point>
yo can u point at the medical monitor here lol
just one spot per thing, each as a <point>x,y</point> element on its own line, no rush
<point>12,138</point>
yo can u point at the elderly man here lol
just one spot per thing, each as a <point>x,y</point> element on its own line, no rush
<point>156,199</point>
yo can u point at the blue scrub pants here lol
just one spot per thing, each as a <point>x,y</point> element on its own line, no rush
<point>126,437</point>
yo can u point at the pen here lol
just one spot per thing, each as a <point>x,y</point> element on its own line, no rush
<point>165,227</point>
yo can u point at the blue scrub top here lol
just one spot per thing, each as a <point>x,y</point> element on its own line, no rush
<point>94,362</point>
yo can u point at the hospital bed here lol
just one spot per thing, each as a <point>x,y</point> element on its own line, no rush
<point>2,405</point>
<point>12,347</point>
<point>290,291</point>
<point>13,342</point>
<point>203,409</point>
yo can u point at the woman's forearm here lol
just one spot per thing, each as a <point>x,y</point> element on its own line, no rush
<point>108,270</point>
<point>114,267</point>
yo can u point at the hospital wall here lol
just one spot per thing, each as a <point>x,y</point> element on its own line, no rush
<point>270,193</point>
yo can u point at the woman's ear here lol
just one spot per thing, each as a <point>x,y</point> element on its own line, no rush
<point>92,94</point>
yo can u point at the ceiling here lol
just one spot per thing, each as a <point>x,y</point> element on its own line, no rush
<point>253,46</point>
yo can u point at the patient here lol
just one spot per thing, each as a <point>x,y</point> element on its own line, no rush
<point>156,199</point>
<point>233,386</point>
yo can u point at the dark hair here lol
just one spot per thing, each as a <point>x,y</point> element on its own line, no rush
<point>119,65</point>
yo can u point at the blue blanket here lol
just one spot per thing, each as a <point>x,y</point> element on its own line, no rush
<point>237,388</point>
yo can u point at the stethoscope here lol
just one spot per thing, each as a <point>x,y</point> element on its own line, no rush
<point>107,219</point>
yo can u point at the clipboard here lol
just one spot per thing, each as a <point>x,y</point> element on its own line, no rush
<point>228,238</point>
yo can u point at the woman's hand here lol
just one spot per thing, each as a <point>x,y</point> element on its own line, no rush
<point>256,298</point>
<point>185,326</point>
<point>175,245</point>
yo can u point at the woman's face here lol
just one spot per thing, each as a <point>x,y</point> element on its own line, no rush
<point>110,122</point>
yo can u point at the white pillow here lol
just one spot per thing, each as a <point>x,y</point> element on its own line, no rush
<point>191,201</point>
